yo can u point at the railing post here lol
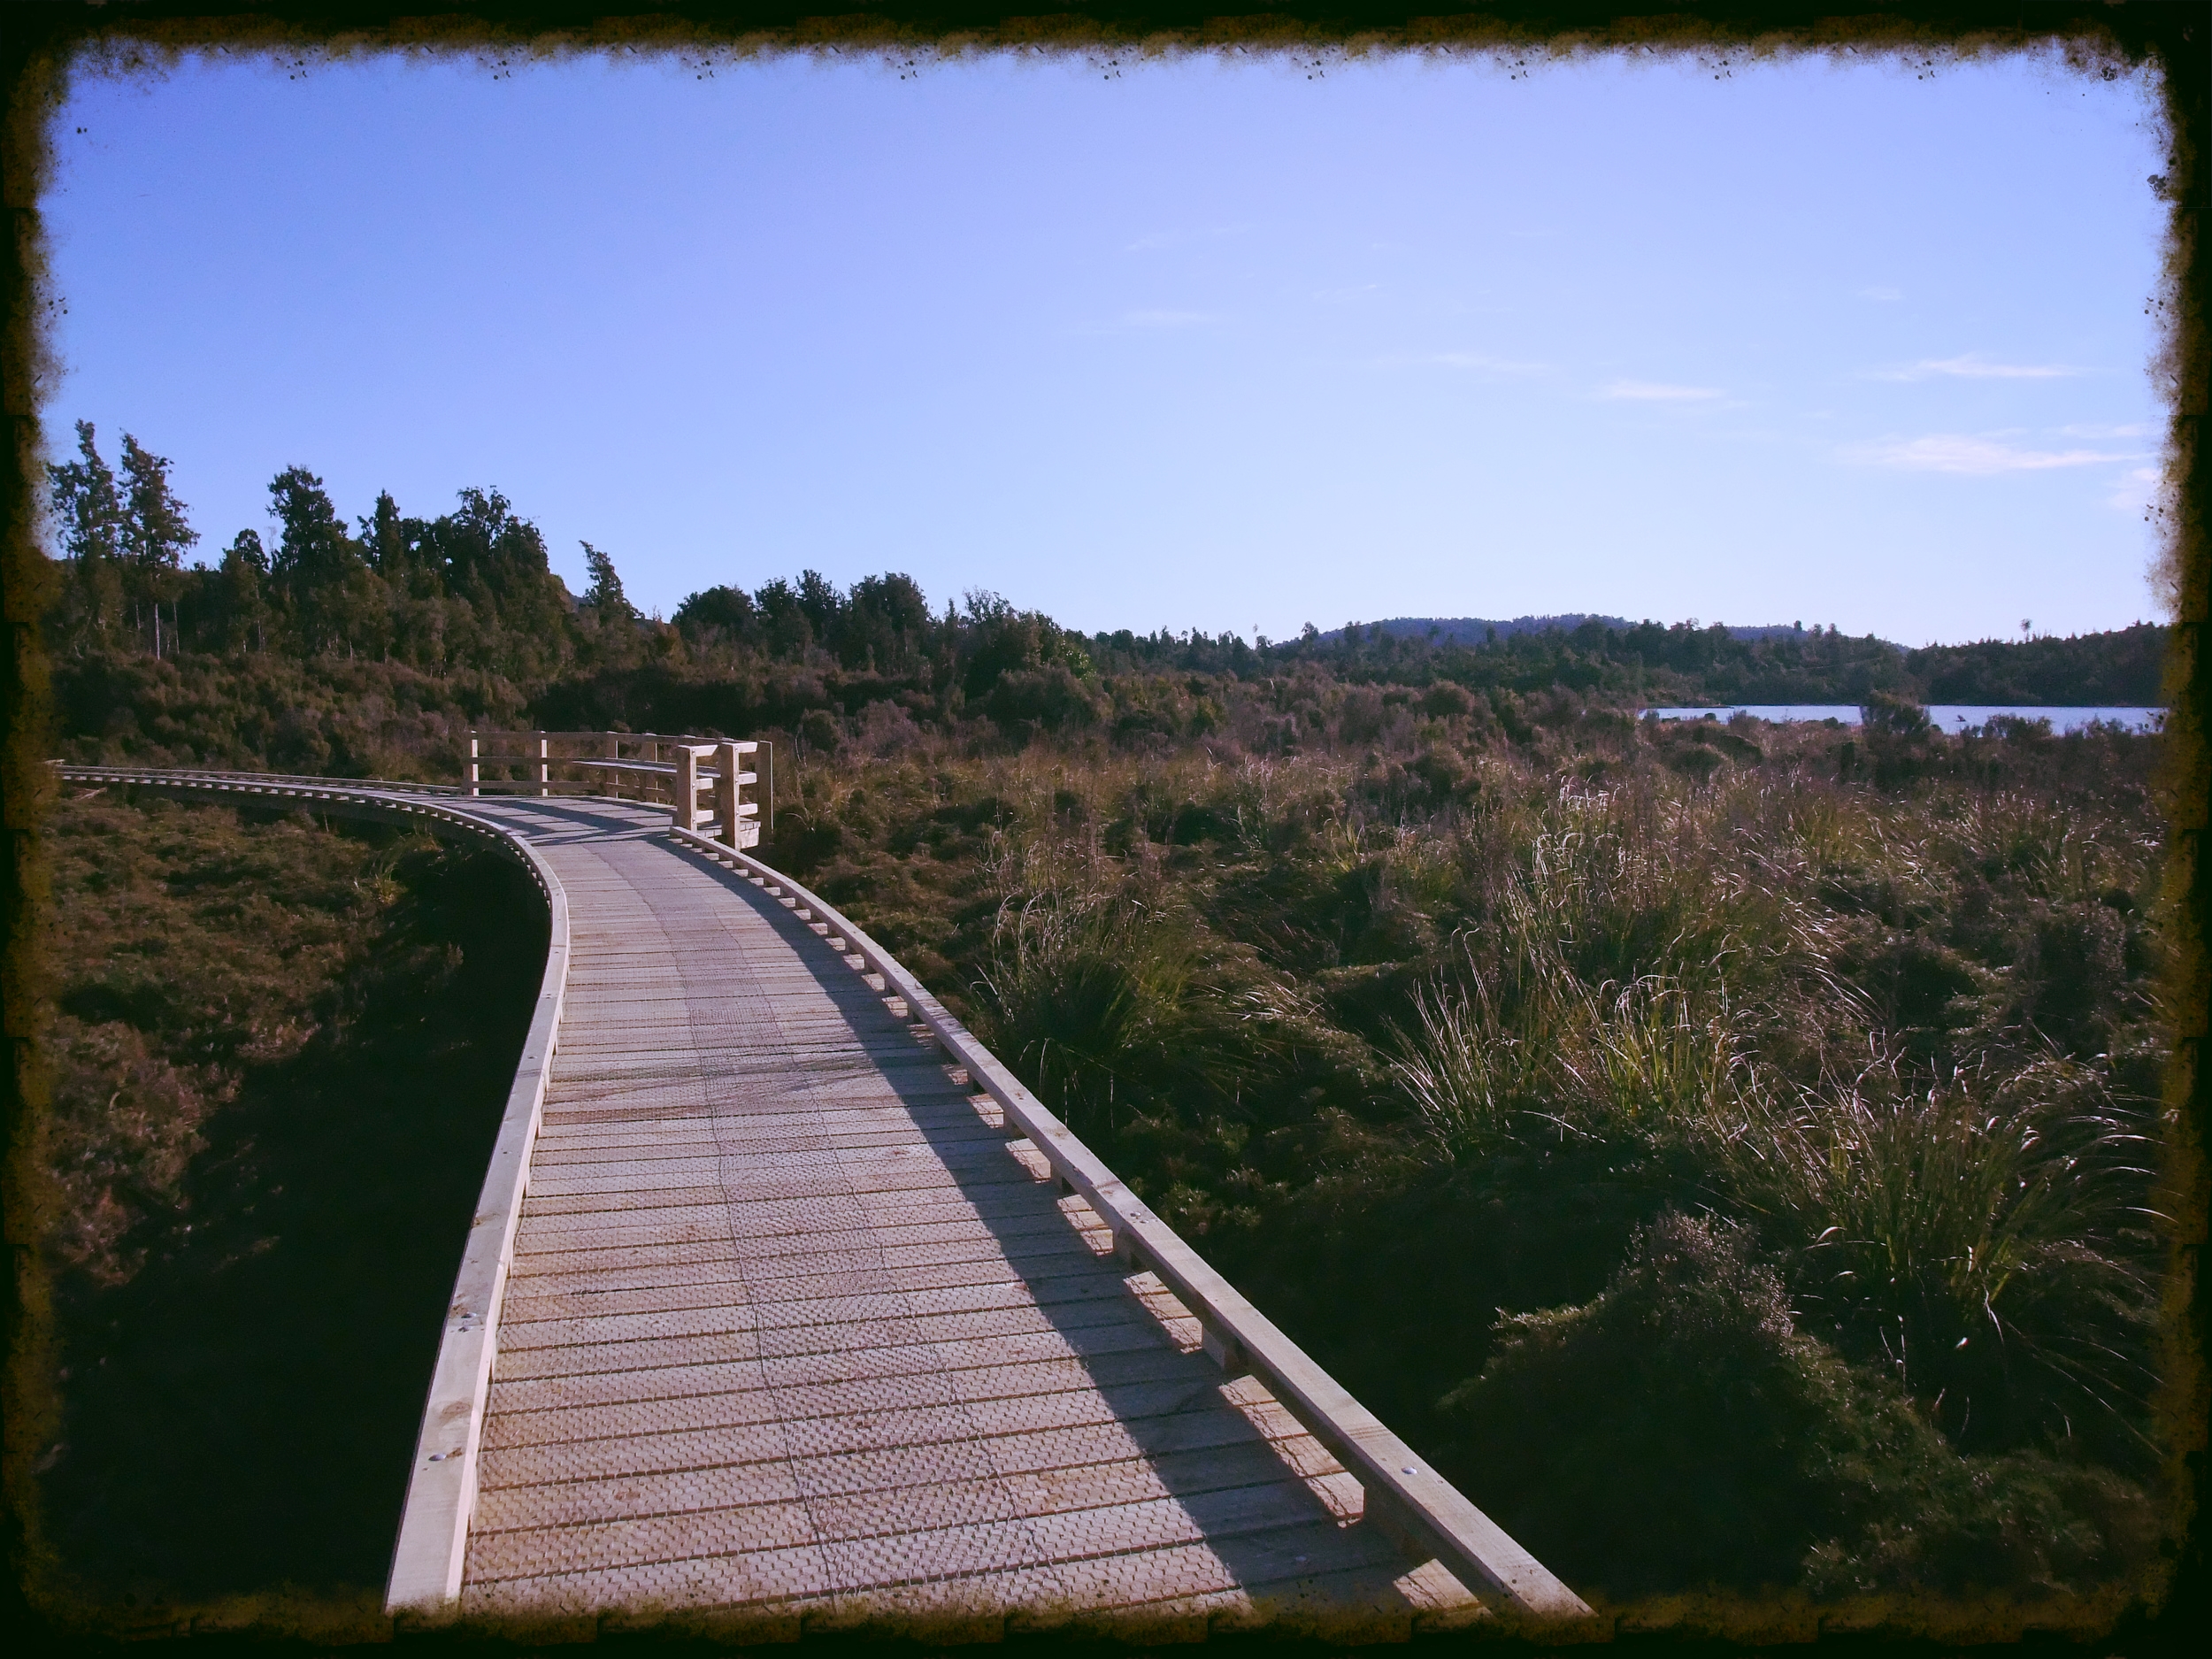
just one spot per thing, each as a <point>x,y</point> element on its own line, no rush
<point>474,752</point>
<point>544,771</point>
<point>614,752</point>
<point>687,802</point>
<point>727,796</point>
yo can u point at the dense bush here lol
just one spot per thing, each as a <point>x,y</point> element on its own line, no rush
<point>324,716</point>
<point>1678,1431</point>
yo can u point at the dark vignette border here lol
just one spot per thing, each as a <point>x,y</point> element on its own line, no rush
<point>40,40</point>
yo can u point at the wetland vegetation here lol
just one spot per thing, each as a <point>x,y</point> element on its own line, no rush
<point>1730,1152</point>
<point>1747,1136</point>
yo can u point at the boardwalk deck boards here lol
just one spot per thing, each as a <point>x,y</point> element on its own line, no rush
<point>791,1326</point>
<point>787,1306</point>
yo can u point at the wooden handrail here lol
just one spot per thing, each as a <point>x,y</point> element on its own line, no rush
<point>389,786</point>
<point>1406,1496</point>
<point>664,771</point>
<point>629,737</point>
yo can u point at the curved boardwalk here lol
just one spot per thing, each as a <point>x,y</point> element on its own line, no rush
<point>791,1327</point>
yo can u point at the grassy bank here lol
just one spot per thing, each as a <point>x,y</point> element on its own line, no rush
<point>1741,1134</point>
<point>278,1054</point>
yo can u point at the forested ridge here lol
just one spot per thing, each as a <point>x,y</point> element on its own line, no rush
<point>370,648</point>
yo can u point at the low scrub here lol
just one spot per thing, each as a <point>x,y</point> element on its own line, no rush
<point>1680,1432</point>
<point>276,1059</point>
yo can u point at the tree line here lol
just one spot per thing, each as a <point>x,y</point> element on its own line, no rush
<point>469,589</point>
<point>469,597</point>
<point>1685,662</point>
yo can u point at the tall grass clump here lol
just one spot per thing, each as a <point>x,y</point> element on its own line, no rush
<point>1984,1245</point>
<point>1562,1061</point>
<point>1117,1005</point>
<point>1086,999</point>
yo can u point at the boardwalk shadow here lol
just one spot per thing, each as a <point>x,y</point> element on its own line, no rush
<point>1207,1453</point>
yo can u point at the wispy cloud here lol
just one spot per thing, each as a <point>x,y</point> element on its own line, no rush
<point>1480,363</point>
<point>1657,392</point>
<point>1886,295</point>
<point>2136,490</point>
<point>1153,241</point>
<point>1351,292</point>
<point>1973,367</point>
<point>1978,457</point>
<point>1165,320</point>
<point>2091,430</point>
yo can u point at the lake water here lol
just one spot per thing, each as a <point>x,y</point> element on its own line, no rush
<point>1952,717</point>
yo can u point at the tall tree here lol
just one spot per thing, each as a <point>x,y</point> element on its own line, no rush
<point>723,615</point>
<point>610,620</point>
<point>517,619</point>
<point>606,595</point>
<point>887,622</point>
<point>824,605</point>
<point>384,540</point>
<point>318,571</point>
<point>154,532</point>
<point>790,633</point>
<point>242,583</point>
<point>90,512</point>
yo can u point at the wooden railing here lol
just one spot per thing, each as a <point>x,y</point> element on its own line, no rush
<point>649,766</point>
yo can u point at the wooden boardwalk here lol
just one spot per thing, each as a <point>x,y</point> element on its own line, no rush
<point>786,1306</point>
<point>791,1324</point>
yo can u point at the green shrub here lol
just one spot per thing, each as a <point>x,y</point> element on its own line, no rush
<point>1979,1242</point>
<point>1679,1431</point>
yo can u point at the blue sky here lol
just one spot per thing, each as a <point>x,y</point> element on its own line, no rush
<point>1205,344</point>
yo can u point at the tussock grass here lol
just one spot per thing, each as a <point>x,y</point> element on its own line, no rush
<point>1984,1243</point>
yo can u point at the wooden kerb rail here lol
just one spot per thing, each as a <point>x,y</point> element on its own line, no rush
<point>1410,1503</point>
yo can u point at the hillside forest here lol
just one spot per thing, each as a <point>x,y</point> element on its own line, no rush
<point>1730,1152</point>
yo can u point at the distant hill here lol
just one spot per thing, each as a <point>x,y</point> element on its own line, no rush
<point>1477,629</point>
